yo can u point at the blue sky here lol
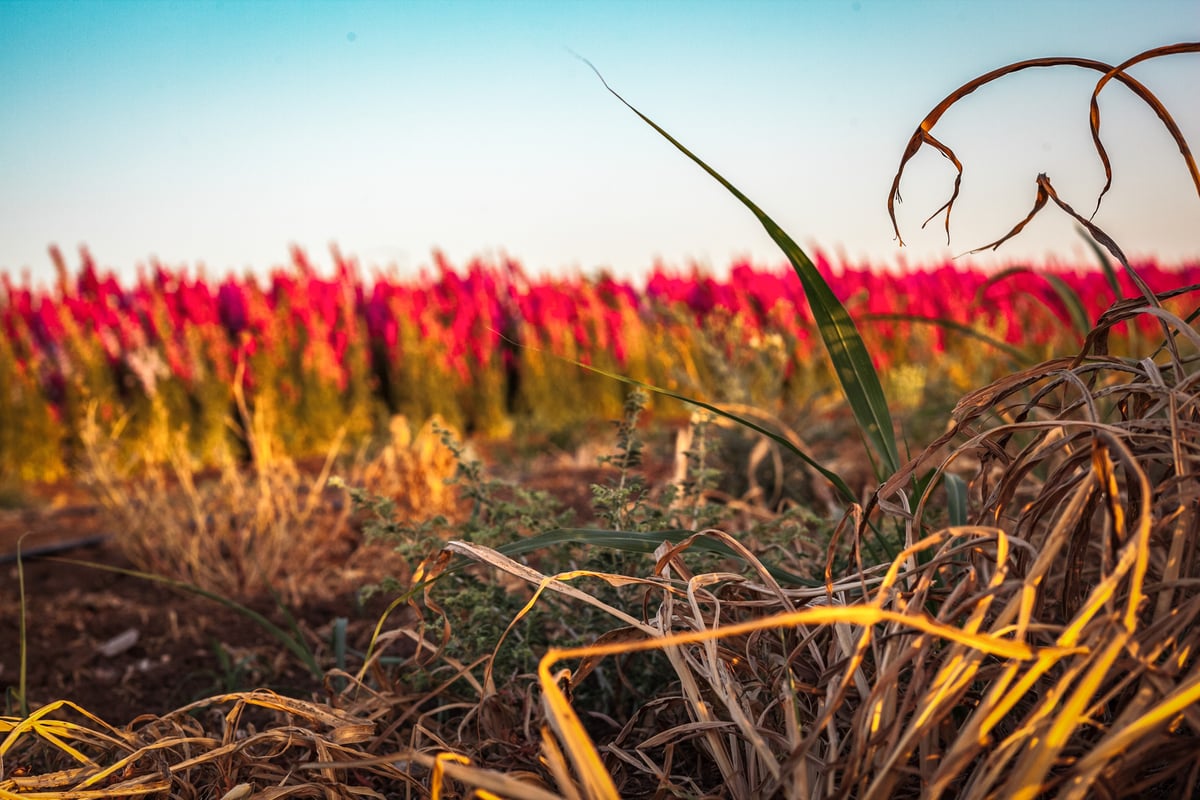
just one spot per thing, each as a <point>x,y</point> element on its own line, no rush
<point>221,132</point>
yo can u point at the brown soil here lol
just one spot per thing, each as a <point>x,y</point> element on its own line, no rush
<point>121,646</point>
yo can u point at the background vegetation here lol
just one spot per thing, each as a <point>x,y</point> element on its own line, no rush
<point>489,349</point>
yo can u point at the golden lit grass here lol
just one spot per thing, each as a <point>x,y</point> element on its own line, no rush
<point>231,746</point>
<point>1047,646</point>
<point>242,530</point>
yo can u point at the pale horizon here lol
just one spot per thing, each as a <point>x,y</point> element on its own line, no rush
<point>202,133</point>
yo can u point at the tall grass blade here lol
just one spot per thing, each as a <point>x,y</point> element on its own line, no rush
<point>851,361</point>
<point>637,542</point>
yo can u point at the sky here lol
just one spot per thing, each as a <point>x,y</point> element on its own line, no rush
<point>221,133</point>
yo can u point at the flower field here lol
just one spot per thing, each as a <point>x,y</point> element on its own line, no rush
<point>488,347</point>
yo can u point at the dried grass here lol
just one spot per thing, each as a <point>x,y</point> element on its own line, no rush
<point>1045,648</point>
<point>232,746</point>
<point>924,135</point>
<point>243,530</point>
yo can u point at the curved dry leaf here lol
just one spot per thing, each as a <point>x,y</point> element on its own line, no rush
<point>923,134</point>
<point>1159,109</point>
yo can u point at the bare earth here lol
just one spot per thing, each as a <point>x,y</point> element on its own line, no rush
<point>121,646</point>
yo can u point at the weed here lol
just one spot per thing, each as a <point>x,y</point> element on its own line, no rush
<point>622,505</point>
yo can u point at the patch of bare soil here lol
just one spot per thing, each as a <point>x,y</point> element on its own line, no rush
<point>121,646</point>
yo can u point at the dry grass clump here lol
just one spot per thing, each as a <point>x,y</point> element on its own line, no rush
<point>262,524</point>
<point>249,744</point>
<point>1047,647</point>
<point>1087,473</point>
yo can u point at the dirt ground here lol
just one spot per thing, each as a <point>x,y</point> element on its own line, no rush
<point>121,646</point>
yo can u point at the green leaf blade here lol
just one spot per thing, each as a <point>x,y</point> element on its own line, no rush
<point>852,363</point>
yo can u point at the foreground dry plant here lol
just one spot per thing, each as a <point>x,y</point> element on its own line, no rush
<point>248,528</point>
<point>1048,646</point>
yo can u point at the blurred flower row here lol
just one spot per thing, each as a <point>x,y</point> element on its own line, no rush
<point>485,346</point>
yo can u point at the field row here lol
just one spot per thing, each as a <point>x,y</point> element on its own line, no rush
<point>487,347</point>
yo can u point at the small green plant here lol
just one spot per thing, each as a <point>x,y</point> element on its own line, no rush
<point>624,500</point>
<point>473,611</point>
<point>627,502</point>
<point>236,672</point>
<point>688,499</point>
<point>499,512</point>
